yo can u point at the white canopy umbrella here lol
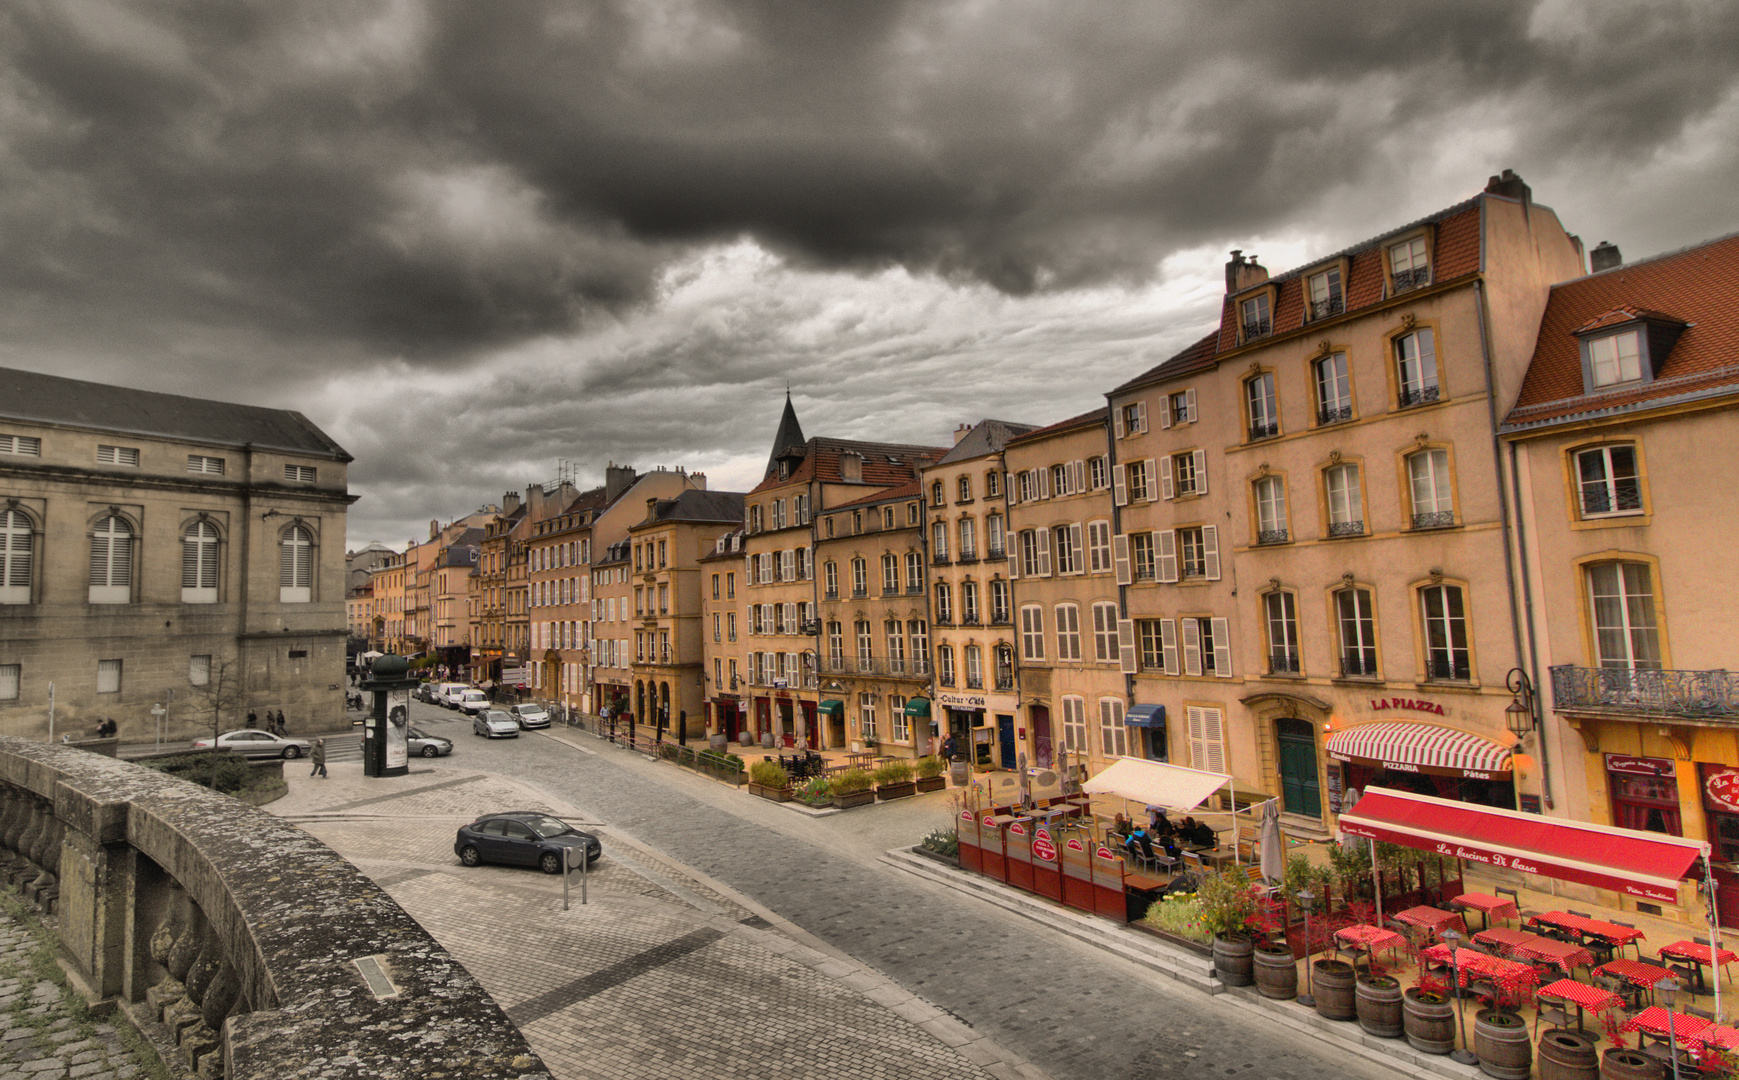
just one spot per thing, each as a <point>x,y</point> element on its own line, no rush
<point>1156,783</point>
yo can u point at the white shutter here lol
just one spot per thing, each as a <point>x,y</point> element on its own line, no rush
<point>1147,471</point>
<point>1201,472</point>
<point>1126,644</point>
<point>1167,555</point>
<point>1043,536</point>
<point>1198,749</point>
<point>1075,546</point>
<point>1141,416</point>
<point>1165,413</point>
<point>1119,486</point>
<point>1192,647</point>
<point>1165,488</point>
<point>1120,558</point>
<point>1214,737</point>
<point>749,570</point>
<point>1211,551</point>
<point>1045,491</point>
<point>1078,479</point>
<point>1222,648</point>
<point>1189,404</point>
<point>189,561</point>
<point>1014,558</point>
<point>1117,422</point>
<point>1168,644</point>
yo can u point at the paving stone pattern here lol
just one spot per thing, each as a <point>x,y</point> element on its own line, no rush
<point>40,1037</point>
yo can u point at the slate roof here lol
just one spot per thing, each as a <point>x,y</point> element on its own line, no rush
<point>1086,419</point>
<point>884,464</point>
<point>987,438</point>
<point>787,439</point>
<point>1696,287</point>
<point>1203,354</point>
<point>695,505</point>
<point>52,399</point>
<point>894,494</point>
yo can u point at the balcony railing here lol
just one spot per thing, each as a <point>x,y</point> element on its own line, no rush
<point>974,682</point>
<point>1256,328</point>
<point>966,558</point>
<point>1284,662</point>
<point>1424,395</point>
<point>1264,429</point>
<point>1358,665</point>
<point>1322,309</point>
<point>898,667</point>
<point>995,552</point>
<point>1346,528</point>
<point>1001,618</point>
<point>940,560</point>
<point>1143,572</point>
<point>1447,667</point>
<point>1623,495</point>
<point>1271,536</point>
<point>1647,691</point>
<point>1412,279</point>
<point>1436,519</point>
<point>1334,414</point>
<point>830,594</point>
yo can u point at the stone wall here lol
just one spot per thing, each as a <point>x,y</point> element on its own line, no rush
<point>259,948</point>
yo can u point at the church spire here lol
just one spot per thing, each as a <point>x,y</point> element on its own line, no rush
<point>789,438</point>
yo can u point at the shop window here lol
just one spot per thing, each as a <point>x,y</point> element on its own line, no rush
<point>1645,794</point>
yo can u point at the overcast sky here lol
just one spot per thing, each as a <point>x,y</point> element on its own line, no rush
<point>473,239</point>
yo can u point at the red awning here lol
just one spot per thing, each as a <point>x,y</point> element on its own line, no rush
<point>1640,864</point>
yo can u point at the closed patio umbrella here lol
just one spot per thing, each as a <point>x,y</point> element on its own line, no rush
<point>1273,853</point>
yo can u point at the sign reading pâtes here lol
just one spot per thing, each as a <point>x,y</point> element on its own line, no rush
<point>1413,704</point>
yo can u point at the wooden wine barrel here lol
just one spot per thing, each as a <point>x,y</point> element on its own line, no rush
<point>1379,1006</point>
<point>1332,982</point>
<point>1568,1055</point>
<point>1500,1042</point>
<point>1232,961</point>
<point>1619,1064</point>
<point>1429,1020</point>
<point>1277,974</point>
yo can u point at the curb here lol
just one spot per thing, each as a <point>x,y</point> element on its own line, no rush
<point>1187,968</point>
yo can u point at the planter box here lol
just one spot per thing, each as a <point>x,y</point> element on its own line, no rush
<point>1200,948</point>
<point>897,791</point>
<point>931,783</point>
<point>856,798</point>
<point>781,794</point>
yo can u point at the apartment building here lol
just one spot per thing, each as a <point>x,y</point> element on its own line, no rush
<point>875,630</point>
<point>726,703</point>
<point>612,649</point>
<point>971,590</point>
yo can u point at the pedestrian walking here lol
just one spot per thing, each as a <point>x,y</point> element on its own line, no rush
<point>318,757</point>
<point>253,719</point>
<point>282,728</point>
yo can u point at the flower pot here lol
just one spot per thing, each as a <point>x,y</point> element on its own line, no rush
<point>779,794</point>
<point>931,783</point>
<point>1429,1021</point>
<point>1332,983</point>
<point>1500,1042</point>
<point>1232,960</point>
<point>904,790</point>
<point>1379,1006</point>
<point>855,798</point>
<point>1276,973</point>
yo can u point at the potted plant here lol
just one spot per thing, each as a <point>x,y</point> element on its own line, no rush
<point>814,791</point>
<point>768,780</point>
<point>853,788</point>
<point>1228,904</point>
<point>930,774</point>
<point>894,780</point>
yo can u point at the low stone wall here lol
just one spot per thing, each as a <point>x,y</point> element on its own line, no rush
<point>266,954</point>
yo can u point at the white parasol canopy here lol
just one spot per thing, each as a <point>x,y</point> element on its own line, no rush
<point>1156,783</point>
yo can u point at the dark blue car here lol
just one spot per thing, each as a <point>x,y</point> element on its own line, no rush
<point>524,838</point>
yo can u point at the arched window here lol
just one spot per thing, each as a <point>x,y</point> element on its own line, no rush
<point>112,562</point>
<point>16,550</point>
<point>296,566</point>
<point>199,563</point>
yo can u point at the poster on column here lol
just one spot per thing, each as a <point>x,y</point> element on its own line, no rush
<point>398,714</point>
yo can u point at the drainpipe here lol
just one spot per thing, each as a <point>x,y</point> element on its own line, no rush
<point>1511,518</point>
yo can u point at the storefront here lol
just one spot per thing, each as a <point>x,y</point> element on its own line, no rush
<point>832,713</point>
<point>984,725</point>
<point>1645,794</point>
<point>1147,731</point>
<point>1425,759</point>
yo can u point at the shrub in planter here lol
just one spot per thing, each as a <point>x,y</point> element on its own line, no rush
<point>1178,914</point>
<point>1228,904</point>
<point>930,774</point>
<point>894,780</point>
<point>854,787</point>
<point>942,842</point>
<point>814,791</point>
<point>768,780</point>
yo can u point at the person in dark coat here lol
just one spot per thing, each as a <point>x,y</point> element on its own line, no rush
<point>318,757</point>
<point>253,719</point>
<point>950,748</point>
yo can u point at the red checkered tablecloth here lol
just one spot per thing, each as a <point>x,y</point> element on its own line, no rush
<point>1722,1036</point>
<point>1369,937</point>
<point>1654,1020</point>
<point>1432,918</point>
<point>1591,998</point>
<point>1618,935</point>
<point>1506,939</point>
<point>1477,963</point>
<point>1566,955</point>
<point>1495,907</point>
<point>1698,951</point>
<point>1634,972</point>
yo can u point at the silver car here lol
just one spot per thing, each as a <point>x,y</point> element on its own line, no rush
<point>531,716</point>
<point>251,742</point>
<point>492,722</point>
<point>420,743</point>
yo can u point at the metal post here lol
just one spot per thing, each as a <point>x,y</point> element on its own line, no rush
<point>1308,998</point>
<point>51,712</point>
<point>1462,1054</point>
<point>1667,988</point>
<point>567,868</point>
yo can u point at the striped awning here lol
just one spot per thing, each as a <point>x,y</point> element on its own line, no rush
<point>1421,748</point>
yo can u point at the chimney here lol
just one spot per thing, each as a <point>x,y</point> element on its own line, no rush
<point>510,502</point>
<point>1241,273</point>
<point>698,479</point>
<point>651,508</point>
<point>1510,186</point>
<point>434,528</point>
<point>851,467</point>
<point>1605,256</point>
<point>617,479</point>
<point>961,432</point>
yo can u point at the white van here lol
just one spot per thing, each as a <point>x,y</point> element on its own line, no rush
<point>450,694</point>
<point>473,702</point>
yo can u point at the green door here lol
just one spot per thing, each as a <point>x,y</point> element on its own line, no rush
<point>1299,790</point>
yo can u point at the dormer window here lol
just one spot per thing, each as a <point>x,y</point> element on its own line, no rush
<point>1409,265</point>
<point>1326,297</point>
<point>1256,315</point>
<point>1615,359</point>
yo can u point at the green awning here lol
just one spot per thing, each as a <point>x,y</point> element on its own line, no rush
<point>832,706</point>
<point>918,708</point>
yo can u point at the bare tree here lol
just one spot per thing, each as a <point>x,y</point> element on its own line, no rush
<point>218,697</point>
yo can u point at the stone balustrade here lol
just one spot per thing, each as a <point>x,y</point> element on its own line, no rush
<point>258,948</point>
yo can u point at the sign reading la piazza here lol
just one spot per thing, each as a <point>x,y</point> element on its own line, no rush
<point>1413,704</point>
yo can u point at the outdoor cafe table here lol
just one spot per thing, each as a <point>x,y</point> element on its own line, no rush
<point>1433,919</point>
<point>1697,952</point>
<point>1584,926</point>
<point>1582,996</point>
<point>1492,907</point>
<point>1635,972</point>
<point>1477,963</point>
<point>1505,939</point>
<point>1566,955</point>
<point>1725,1037</point>
<point>1366,939</point>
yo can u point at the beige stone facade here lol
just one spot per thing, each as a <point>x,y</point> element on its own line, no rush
<point>202,550</point>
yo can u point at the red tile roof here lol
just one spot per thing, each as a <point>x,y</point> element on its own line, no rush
<point>1196,357</point>
<point>884,464</point>
<point>1086,419</point>
<point>1696,286</point>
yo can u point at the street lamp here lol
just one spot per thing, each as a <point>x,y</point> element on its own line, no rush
<point>1665,990</point>
<point>1461,1053</point>
<point>1519,715</point>
<point>1308,998</point>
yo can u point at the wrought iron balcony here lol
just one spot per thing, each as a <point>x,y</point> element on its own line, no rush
<point>1284,662</point>
<point>914,588</point>
<point>1621,496</point>
<point>1422,396</point>
<point>974,682</point>
<point>1447,668</point>
<point>1415,278</point>
<point>897,667</point>
<point>1001,618</point>
<point>966,558</point>
<point>944,618</point>
<point>1359,665</point>
<point>1143,572</point>
<point>1346,528</point>
<point>1271,536</point>
<point>1322,309</point>
<point>830,594</point>
<point>995,552</point>
<point>1647,692</point>
<point>859,594</point>
<point>1004,682</point>
<point>940,560</point>
<point>1334,414</point>
<point>1437,519</point>
<point>1265,429</point>
<point>1256,328</point>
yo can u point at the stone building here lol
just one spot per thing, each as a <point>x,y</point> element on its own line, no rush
<point>155,545</point>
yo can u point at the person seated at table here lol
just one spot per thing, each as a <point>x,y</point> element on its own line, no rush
<point>1197,834</point>
<point>1159,824</point>
<point>1139,844</point>
<point>1122,826</point>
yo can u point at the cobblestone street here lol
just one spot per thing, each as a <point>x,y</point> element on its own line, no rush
<point>44,1032</point>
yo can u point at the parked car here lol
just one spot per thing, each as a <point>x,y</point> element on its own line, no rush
<point>524,838</point>
<point>530,716</point>
<point>450,694</point>
<point>251,742</point>
<point>473,702</point>
<point>493,722</point>
<point>425,692</point>
<point>420,743</point>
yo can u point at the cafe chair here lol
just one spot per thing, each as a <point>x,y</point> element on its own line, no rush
<point>1635,942</point>
<point>1557,1014</point>
<point>1701,1014</point>
<point>1687,975</point>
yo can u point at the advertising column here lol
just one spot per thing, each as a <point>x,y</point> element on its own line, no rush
<point>398,714</point>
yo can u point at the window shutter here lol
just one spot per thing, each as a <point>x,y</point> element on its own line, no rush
<point>1075,546</point>
<point>1119,486</point>
<point>1078,481</point>
<point>1165,413</point>
<point>1168,644</point>
<point>1214,736</point>
<point>1126,644</point>
<point>189,561</point>
<point>1189,404</point>
<point>1120,558</point>
<point>1141,416</point>
<point>1043,536</point>
<point>1117,422</point>
<point>1165,486</point>
<point>1222,648</point>
<point>1198,745</point>
<point>286,564</point>
<point>1211,551</point>
<point>1192,647</point>
<point>1045,491</point>
<point>1167,555</point>
<point>1014,558</point>
<point>748,569</point>
<point>1201,472</point>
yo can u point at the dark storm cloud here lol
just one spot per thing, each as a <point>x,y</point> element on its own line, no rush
<point>432,181</point>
